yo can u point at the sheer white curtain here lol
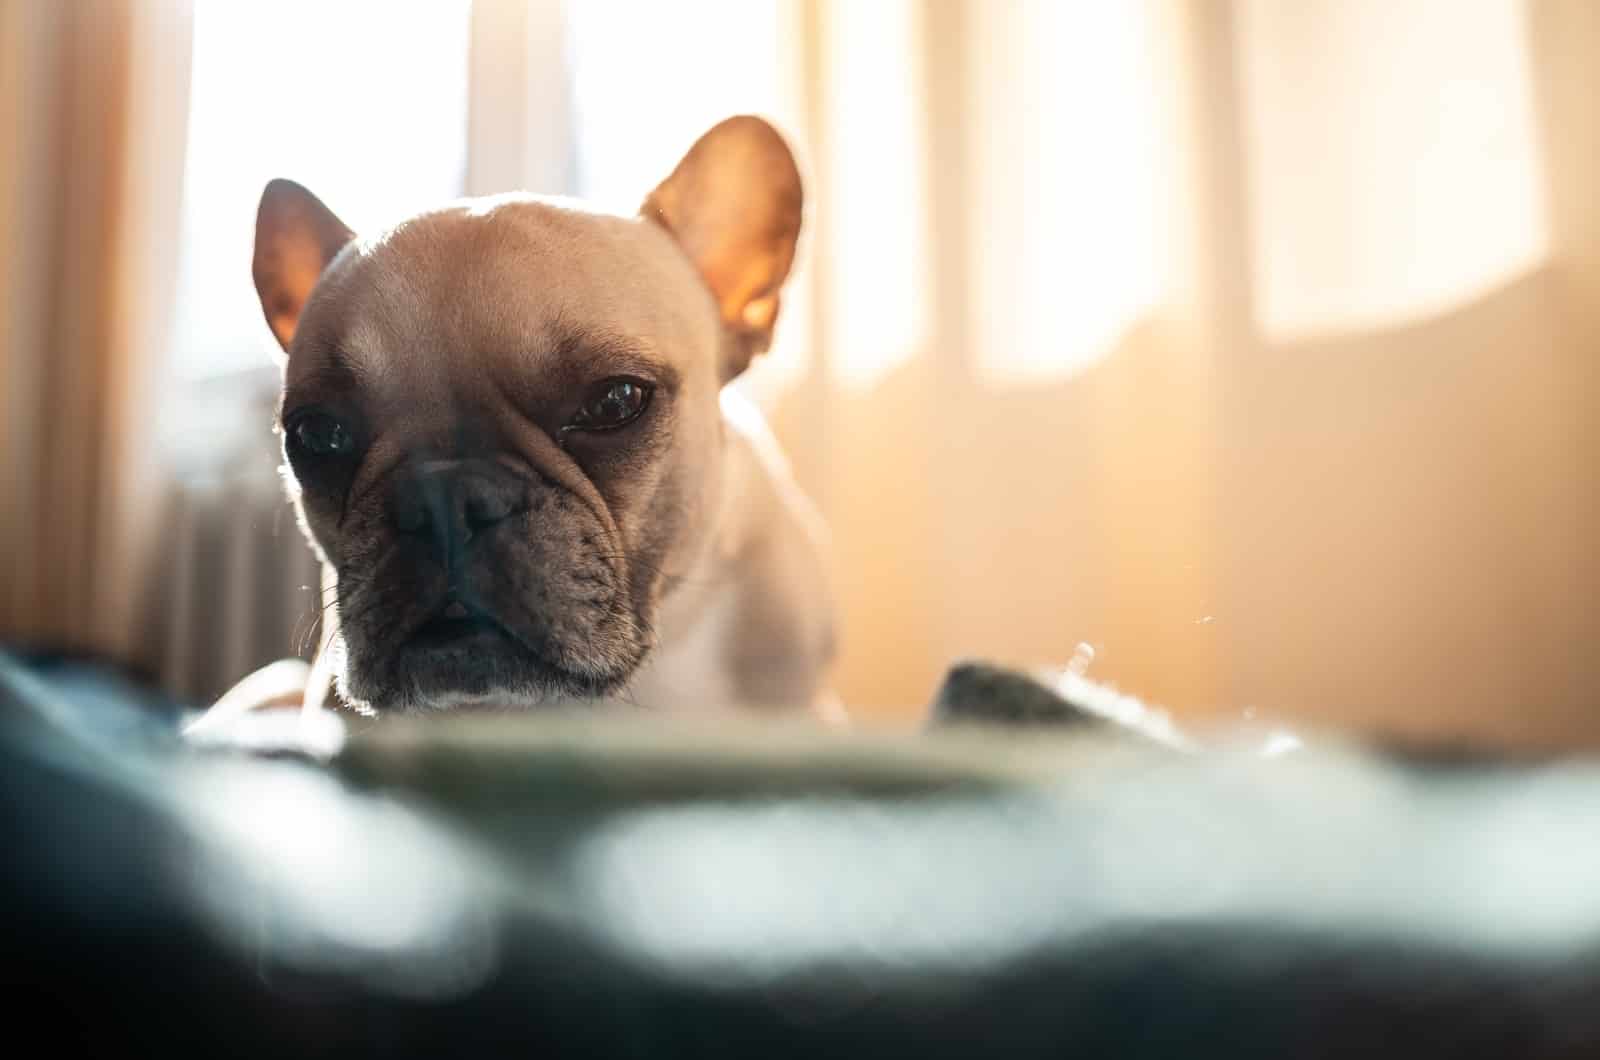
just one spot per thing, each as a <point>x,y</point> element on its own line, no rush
<point>1250,343</point>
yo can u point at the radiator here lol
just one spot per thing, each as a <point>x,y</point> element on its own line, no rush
<point>237,582</point>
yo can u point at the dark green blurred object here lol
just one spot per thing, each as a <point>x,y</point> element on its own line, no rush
<point>980,692</point>
<point>601,887</point>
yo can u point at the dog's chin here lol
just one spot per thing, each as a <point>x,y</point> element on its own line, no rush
<point>472,666</point>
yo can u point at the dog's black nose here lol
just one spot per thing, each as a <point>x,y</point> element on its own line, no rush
<point>451,501</point>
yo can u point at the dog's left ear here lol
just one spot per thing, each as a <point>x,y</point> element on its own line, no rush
<point>733,204</point>
<point>296,238</point>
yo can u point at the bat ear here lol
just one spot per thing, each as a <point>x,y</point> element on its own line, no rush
<point>734,205</point>
<point>296,238</point>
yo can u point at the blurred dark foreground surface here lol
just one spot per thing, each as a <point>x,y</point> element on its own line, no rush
<point>627,889</point>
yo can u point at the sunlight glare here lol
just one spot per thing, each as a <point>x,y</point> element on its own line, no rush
<point>1068,234</point>
<point>368,110</point>
<point>875,195</point>
<point>1393,158</point>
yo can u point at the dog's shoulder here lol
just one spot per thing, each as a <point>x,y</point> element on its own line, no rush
<point>781,634</point>
<point>760,481</point>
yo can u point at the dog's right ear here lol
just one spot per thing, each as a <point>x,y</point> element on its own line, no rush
<point>296,238</point>
<point>734,206</point>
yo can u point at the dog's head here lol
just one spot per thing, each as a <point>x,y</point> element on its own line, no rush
<point>500,419</point>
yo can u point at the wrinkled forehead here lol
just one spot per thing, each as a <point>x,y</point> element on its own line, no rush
<point>519,281</point>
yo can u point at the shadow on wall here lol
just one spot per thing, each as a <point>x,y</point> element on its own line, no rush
<point>1412,523</point>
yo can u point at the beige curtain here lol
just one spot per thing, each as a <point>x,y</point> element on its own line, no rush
<point>1341,465</point>
<point>93,106</point>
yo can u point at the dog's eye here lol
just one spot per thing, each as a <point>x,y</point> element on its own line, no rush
<point>613,403</point>
<point>320,434</point>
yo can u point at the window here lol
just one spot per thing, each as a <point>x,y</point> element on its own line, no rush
<point>362,101</point>
<point>876,209</point>
<point>1394,164</point>
<point>1070,236</point>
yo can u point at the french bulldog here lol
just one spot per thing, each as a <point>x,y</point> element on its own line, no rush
<point>509,438</point>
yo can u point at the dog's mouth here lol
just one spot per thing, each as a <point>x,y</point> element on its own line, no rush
<point>457,624</point>
<point>463,654</point>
